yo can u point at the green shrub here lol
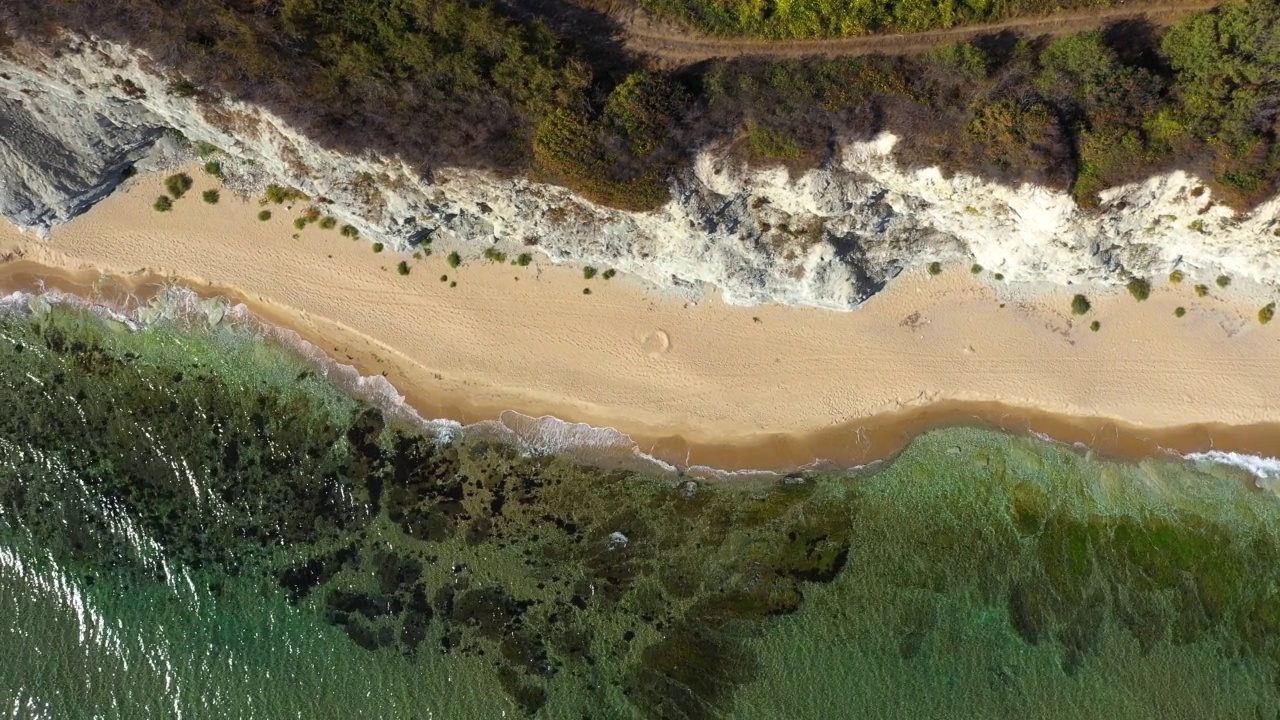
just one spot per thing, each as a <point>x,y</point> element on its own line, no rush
<point>454,259</point>
<point>204,150</point>
<point>178,184</point>
<point>328,223</point>
<point>588,272</point>
<point>935,268</point>
<point>1175,277</point>
<point>524,259</point>
<point>300,223</point>
<point>1080,305</point>
<point>377,247</point>
<point>998,276</point>
<point>311,214</point>
<point>163,204</point>
<point>264,215</point>
<point>1267,312</point>
<point>350,231</point>
<point>495,255</point>
<point>608,274</point>
<point>279,194</point>
<point>1095,326</point>
<point>444,278</point>
<point>1202,290</point>
<point>403,268</point>
<point>975,268</point>
<point>1139,288</point>
<point>211,196</point>
<point>1223,281</point>
<point>1179,311</point>
<point>214,168</point>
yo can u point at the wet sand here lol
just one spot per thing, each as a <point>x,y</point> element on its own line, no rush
<point>704,383</point>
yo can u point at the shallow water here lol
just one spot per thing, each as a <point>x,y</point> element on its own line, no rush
<point>195,523</point>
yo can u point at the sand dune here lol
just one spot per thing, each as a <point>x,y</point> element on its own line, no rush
<point>655,366</point>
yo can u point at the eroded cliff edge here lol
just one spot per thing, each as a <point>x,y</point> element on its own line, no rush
<point>73,125</point>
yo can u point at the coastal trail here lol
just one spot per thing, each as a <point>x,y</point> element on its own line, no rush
<point>672,46</point>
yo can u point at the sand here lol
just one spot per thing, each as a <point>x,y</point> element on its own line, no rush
<point>701,382</point>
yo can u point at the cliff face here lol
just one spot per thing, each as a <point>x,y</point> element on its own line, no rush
<point>71,125</point>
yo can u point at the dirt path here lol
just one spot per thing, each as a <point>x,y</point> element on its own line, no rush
<point>672,46</point>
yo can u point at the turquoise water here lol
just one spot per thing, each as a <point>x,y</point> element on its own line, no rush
<point>194,523</point>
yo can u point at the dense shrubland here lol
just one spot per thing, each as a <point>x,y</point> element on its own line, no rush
<point>450,83</point>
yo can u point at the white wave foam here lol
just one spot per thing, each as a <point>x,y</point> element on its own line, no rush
<point>1261,467</point>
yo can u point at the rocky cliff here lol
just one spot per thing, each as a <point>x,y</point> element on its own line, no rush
<point>72,125</point>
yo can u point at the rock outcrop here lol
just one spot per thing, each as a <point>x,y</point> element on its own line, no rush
<point>71,127</point>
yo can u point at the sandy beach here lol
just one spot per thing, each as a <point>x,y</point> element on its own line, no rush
<point>704,382</point>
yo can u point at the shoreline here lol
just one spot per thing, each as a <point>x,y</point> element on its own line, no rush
<point>704,383</point>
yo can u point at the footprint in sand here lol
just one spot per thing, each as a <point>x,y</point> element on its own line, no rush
<point>656,342</point>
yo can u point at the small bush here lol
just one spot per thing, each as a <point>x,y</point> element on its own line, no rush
<point>265,215</point>
<point>1139,288</point>
<point>279,194</point>
<point>214,168</point>
<point>586,291</point>
<point>1267,312</point>
<point>1095,326</point>
<point>1179,311</point>
<point>403,268</point>
<point>608,274</point>
<point>163,204</point>
<point>311,214</point>
<point>1080,305</point>
<point>453,283</point>
<point>935,268</point>
<point>1202,290</point>
<point>444,278</point>
<point>211,196</point>
<point>377,247</point>
<point>1223,281</point>
<point>328,223</point>
<point>524,259</point>
<point>350,231</point>
<point>454,259</point>
<point>998,276</point>
<point>495,255</point>
<point>178,184</point>
<point>588,272</point>
<point>1175,277</point>
<point>975,268</point>
<point>300,223</point>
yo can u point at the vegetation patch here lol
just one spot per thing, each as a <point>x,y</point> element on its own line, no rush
<point>1095,326</point>
<point>1176,277</point>
<point>454,259</point>
<point>975,268</point>
<point>328,223</point>
<point>350,231</point>
<point>402,268</point>
<point>178,184</point>
<point>211,196</point>
<point>588,272</point>
<point>163,204</point>
<point>524,259</point>
<point>1223,281</point>
<point>280,194</point>
<point>1139,288</point>
<point>377,247</point>
<point>1080,305</point>
<point>935,268</point>
<point>609,274</point>
<point>1267,312</point>
<point>264,215</point>
<point>494,255</point>
<point>1179,311</point>
<point>1202,290</point>
<point>214,168</point>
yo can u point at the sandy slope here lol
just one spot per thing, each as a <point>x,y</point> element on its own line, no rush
<point>529,339</point>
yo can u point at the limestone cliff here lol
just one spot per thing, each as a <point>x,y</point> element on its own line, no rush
<point>72,125</point>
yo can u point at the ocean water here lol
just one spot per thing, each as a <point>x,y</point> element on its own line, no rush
<point>197,523</point>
